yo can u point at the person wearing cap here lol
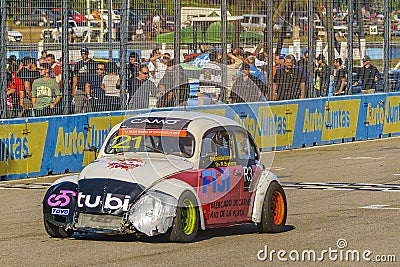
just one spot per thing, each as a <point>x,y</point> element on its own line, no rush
<point>340,78</point>
<point>368,75</point>
<point>45,93</point>
<point>289,81</point>
<point>279,60</point>
<point>322,77</point>
<point>85,68</point>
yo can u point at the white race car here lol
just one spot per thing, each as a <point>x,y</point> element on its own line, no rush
<point>172,173</point>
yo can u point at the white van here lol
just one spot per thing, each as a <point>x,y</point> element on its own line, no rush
<point>187,13</point>
<point>254,22</point>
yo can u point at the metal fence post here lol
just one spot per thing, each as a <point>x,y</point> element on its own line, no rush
<point>311,50</point>
<point>123,51</point>
<point>3,63</point>
<point>386,47</point>
<point>66,91</point>
<point>350,49</point>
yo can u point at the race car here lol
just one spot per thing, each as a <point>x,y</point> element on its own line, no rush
<point>169,173</point>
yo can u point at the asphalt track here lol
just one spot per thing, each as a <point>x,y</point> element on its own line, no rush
<point>343,201</point>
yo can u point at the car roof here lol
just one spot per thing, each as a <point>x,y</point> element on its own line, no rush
<point>200,122</point>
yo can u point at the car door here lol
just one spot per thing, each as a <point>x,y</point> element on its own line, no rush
<point>247,156</point>
<point>219,178</point>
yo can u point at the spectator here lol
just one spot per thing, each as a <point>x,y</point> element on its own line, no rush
<point>56,71</point>
<point>57,35</point>
<point>279,60</point>
<point>12,60</point>
<point>112,86</point>
<point>133,65</point>
<point>180,84</point>
<point>246,87</point>
<point>167,100</point>
<point>134,83</point>
<point>211,72</point>
<point>303,62</point>
<point>139,33</point>
<point>156,21</point>
<point>289,81</point>
<point>322,76</point>
<point>27,76</point>
<point>95,93</point>
<point>43,53</point>
<point>15,92</point>
<point>41,60</point>
<point>158,66</point>
<point>340,78</point>
<point>368,76</point>
<point>82,71</point>
<point>45,93</point>
<point>141,99</point>
<point>236,59</point>
<point>155,56</point>
<point>254,71</point>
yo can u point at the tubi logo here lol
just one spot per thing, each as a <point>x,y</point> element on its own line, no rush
<point>111,202</point>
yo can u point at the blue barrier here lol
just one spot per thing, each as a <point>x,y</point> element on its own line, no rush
<point>39,146</point>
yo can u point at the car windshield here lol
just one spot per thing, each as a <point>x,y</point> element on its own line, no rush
<point>152,135</point>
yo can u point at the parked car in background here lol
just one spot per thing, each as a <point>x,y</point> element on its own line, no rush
<point>72,14</point>
<point>37,17</point>
<point>14,36</point>
<point>53,34</point>
<point>257,23</point>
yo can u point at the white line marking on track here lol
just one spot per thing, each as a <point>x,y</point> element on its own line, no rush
<point>362,158</point>
<point>343,186</point>
<point>379,207</point>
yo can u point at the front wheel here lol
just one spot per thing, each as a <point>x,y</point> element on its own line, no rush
<point>56,231</point>
<point>186,222</point>
<point>274,210</point>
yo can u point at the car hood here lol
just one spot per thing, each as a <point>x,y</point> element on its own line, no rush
<point>144,169</point>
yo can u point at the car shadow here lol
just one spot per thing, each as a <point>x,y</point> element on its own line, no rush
<point>238,230</point>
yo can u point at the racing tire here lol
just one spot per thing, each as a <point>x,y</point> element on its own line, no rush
<point>186,222</point>
<point>274,211</point>
<point>56,231</point>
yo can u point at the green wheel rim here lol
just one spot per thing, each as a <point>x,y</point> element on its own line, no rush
<point>188,217</point>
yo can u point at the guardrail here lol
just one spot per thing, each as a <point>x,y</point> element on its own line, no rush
<point>32,147</point>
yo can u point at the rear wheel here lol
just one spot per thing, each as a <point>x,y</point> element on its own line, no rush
<point>274,210</point>
<point>56,231</point>
<point>186,222</point>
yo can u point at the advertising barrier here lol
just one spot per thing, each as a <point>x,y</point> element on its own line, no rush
<point>40,146</point>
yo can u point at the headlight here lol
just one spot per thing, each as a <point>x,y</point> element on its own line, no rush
<point>153,213</point>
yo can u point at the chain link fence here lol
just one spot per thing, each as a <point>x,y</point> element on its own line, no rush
<point>68,57</point>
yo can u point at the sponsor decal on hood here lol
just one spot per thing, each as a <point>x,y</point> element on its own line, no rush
<point>126,164</point>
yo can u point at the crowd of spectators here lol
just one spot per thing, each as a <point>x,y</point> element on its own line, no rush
<point>34,86</point>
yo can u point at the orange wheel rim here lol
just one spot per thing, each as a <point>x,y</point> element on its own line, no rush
<point>277,207</point>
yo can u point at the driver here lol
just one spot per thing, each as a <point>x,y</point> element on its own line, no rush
<point>186,146</point>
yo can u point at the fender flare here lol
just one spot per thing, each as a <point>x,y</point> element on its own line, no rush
<point>175,188</point>
<point>267,177</point>
<point>61,195</point>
